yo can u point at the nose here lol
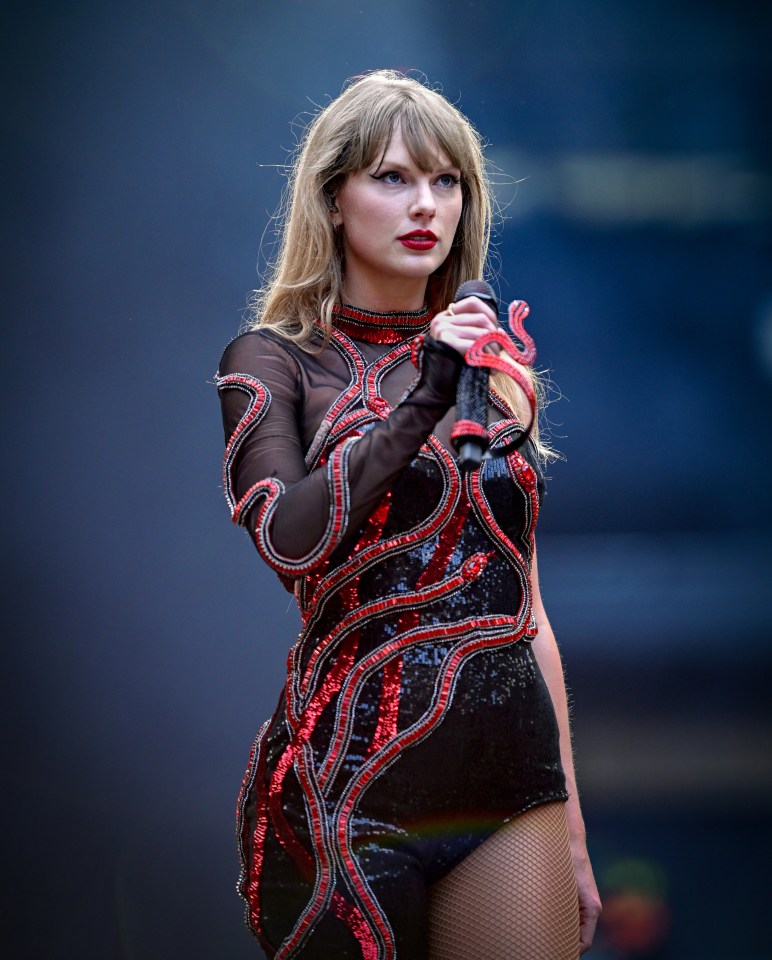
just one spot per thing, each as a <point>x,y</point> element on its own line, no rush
<point>422,203</point>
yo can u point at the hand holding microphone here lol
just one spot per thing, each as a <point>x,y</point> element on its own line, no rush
<point>470,433</point>
<point>471,314</point>
<point>469,326</point>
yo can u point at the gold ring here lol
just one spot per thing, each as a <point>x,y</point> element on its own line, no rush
<point>450,310</point>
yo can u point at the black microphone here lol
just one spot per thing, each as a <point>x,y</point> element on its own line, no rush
<point>470,433</point>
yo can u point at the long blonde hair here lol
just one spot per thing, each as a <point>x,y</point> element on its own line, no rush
<point>305,280</point>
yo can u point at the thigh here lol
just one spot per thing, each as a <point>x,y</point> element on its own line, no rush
<point>383,910</point>
<point>513,898</point>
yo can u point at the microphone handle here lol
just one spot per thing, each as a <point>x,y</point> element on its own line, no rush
<point>471,430</point>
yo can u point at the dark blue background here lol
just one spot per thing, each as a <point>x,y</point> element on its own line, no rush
<point>144,640</point>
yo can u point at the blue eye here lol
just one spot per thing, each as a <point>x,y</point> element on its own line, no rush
<point>391,176</point>
<point>448,180</point>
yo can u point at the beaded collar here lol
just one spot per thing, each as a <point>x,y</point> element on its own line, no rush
<point>395,327</point>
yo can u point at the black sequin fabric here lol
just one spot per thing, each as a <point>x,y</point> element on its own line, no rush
<point>414,720</point>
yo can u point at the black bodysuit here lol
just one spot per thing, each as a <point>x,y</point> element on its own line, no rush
<point>414,720</point>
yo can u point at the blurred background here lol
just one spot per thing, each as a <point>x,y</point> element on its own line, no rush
<point>144,639</point>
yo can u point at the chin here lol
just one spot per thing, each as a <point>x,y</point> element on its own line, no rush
<point>421,268</point>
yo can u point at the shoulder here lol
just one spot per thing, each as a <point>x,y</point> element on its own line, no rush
<point>258,352</point>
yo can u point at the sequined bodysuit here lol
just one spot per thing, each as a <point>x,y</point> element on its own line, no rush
<point>414,720</point>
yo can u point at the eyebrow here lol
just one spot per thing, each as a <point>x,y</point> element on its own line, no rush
<point>396,165</point>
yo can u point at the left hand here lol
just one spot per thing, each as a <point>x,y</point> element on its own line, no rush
<point>589,899</point>
<point>462,323</point>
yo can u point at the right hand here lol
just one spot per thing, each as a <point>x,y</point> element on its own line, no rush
<point>589,900</point>
<point>471,318</point>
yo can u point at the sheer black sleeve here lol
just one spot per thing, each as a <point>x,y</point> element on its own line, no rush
<point>297,519</point>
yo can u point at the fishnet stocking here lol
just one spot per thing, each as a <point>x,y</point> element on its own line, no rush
<point>513,898</point>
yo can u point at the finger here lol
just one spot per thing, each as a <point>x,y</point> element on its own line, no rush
<point>480,320</point>
<point>474,305</point>
<point>452,333</point>
<point>586,933</point>
<point>454,312</point>
<point>451,339</point>
<point>477,322</point>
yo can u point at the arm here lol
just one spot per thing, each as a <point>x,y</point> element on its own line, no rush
<point>297,519</point>
<point>548,657</point>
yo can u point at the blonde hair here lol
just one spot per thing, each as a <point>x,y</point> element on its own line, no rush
<point>305,280</point>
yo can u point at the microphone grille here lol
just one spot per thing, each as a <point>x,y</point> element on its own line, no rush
<point>477,288</point>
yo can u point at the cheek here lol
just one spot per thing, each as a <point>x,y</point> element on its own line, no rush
<point>454,217</point>
<point>454,207</point>
<point>370,217</point>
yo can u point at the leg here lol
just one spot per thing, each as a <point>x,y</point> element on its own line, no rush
<point>395,879</point>
<point>513,898</point>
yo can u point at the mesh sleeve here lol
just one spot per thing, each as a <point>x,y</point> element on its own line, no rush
<point>297,519</point>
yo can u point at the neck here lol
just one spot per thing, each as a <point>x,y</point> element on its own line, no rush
<point>380,326</point>
<point>405,294</point>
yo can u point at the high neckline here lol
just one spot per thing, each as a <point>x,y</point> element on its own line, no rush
<point>395,326</point>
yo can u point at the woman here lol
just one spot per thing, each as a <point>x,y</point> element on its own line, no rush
<point>413,794</point>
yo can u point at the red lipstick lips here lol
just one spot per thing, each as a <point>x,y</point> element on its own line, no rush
<point>418,240</point>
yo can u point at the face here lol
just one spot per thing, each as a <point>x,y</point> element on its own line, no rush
<point>398,223</point>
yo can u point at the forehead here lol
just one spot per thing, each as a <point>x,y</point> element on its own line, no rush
<point>424,152</point>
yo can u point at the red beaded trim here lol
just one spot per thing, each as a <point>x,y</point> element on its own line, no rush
<point>308,694</point>
<point>518,311</point>
<point>337,423</point>
<point>501,430</point>
<point>362,560</point>
<point>371,535</point>
<point>478,356</point>
<point>374,376</point>
<point>447,542</point>
<point>410,601</point>
<point>368,925</point>
<point>349,425</point>
<point>416,351</point>
<point>526,479</point>
<point>379,762</point>
<point>383,656</point>
<point>299,757</point>
<point>486,630</point>
<point>324,894</point>
<point>337,481</point>
<point>356,365</point>
<point>373,327</point>
<point>249,879</point>
<point>259,402</point>
<point>502,542</point>
<point>322,855</point>
<point>468,428</point>
<point>326,870</point>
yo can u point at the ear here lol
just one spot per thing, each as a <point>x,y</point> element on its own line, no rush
<point>335,215</point>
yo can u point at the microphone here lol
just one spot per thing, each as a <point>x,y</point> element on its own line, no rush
<point>470,432</point>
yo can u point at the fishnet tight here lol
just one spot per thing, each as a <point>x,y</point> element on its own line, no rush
<point>513,898</point>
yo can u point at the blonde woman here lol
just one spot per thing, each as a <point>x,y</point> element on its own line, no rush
<point>413,794</point>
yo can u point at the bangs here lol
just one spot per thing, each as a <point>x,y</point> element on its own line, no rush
<point>428,130</point>
<point>426,135</point>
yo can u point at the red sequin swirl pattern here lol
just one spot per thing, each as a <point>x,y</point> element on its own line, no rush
<point>401,676</point>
